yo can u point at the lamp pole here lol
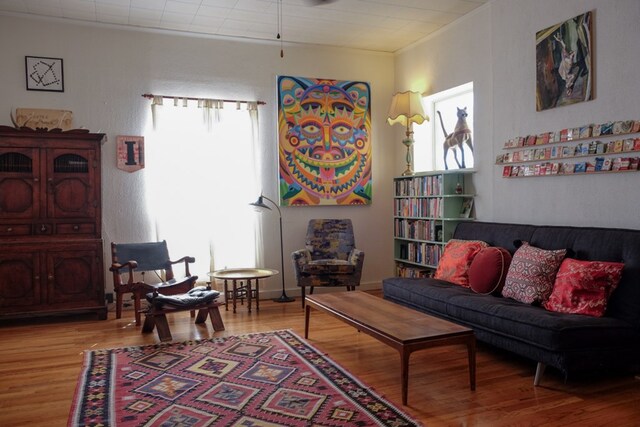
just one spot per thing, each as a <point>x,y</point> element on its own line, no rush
<point>260,204</point>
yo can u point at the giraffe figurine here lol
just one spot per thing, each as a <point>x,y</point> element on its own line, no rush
<point>461,135</point>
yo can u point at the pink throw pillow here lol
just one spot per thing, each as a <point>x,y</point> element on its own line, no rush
<point>456,259</point>
<point>532,273</point>
<point>584,287</point>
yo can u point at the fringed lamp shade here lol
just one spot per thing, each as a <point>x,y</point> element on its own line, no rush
<point>406,109</point>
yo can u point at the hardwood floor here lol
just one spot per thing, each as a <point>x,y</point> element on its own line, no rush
<point>40,361</point>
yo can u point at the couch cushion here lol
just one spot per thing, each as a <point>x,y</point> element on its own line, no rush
<point>532,273</point>
<point>328,266</point>
<point>488,270</point>
<point>456,259</point>
<point>584,287</point>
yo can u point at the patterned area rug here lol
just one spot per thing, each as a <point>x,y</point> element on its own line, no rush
<point>256,380</point>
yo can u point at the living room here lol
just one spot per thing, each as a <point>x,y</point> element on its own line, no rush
<point>107,69</point>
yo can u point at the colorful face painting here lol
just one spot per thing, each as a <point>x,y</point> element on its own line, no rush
<point>324,132</point>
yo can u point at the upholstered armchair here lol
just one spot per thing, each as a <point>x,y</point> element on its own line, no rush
<point>330,257</point>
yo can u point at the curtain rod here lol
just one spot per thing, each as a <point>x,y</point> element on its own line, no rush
<point>151,96</point>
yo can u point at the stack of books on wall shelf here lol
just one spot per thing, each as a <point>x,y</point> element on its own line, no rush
<point>627,145</point>
<point>582,132</point>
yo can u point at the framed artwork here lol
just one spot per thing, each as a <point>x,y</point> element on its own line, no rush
<point>130,153</point>
<point>467,206</point>
<point>45,74</point>
<point>324,142</point>
<point>564,70</point>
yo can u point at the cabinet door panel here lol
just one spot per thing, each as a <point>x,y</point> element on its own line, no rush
<point>71,193</point>
<point>19,183</point>
<point>72,277</point>
<point>19,280</point>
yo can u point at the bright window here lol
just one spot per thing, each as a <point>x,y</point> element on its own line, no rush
<point>429,137</point>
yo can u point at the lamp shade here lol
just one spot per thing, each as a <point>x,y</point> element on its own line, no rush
<point>406,108</point>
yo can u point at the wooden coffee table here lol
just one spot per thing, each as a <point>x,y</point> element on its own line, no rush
<point>399,327</point>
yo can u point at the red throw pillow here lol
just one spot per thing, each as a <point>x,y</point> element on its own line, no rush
<point>456,259</point>
<point>488,270</point>
<point>532,273</point>
<point>584,287</point>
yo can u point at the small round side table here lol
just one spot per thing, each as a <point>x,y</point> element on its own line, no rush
<point>239,289</point>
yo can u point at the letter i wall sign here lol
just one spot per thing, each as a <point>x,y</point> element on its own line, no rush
<point>130,153</point>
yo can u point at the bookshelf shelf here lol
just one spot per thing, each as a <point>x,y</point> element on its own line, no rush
<point>427,208</point>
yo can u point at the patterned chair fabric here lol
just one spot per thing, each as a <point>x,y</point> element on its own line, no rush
<point>330,257</point>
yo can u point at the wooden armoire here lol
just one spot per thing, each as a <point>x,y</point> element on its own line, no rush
<point>50,223</point>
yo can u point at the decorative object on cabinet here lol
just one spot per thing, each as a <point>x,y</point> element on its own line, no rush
<point>564,73</point>
<point>42,119</point>
<point>260,204</point>
<point>595,155</point>
<point>406,109</point>
<point>338,114</point>
<point>427,209</point>
<point>50,223</point>
<point>130,153</point>
<point>45,74</point>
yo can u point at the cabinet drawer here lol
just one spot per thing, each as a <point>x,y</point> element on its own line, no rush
<point>80,228</point>
<point>7,230</point>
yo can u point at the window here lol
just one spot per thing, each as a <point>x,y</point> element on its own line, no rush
<point>429,137</point>
<point>200,179</point>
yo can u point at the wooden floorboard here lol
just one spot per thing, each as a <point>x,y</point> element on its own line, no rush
<point>40,361</point>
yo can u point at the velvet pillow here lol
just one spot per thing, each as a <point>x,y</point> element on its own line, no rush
<point>584,287</point>
<point>532,273</point>
<point>488,270</point>
<point>456,259</point>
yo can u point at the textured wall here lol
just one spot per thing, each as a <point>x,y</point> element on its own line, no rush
<point>495,48</point>
<point>107,69</point>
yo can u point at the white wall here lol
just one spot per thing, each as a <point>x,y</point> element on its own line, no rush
<point>495,48</point>
<point>106,69</point>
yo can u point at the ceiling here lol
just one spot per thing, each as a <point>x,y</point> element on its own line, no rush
<point>377,25</point>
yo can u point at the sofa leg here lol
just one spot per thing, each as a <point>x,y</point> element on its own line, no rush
<point>539,371</point>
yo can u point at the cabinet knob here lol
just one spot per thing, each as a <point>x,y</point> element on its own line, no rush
<point>36,278</point>
<point>9,229</point>
<point>76,227</point>
<point>50,277</point>
<point>43,228</point>
<point>36,179</point>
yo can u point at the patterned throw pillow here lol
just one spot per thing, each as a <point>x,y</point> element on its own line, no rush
<point>456,259</point>
<point>532,273</point>
<point>488,270</point>
<point>584,287</point>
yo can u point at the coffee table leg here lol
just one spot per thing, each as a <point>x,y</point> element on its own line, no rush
<point>257,295</point>
<point>248,289</point>
<point>307,310</point>
<point>404,367</point>
<point>471,350</point>
<point>226,295</point>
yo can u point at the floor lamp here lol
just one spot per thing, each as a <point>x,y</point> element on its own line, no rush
<point>261,205</point>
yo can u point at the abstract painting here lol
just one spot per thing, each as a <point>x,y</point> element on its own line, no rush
<point>564,73</point>
<point>324,142</point>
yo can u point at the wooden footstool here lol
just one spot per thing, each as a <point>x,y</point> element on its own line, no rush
<point>199,298</point>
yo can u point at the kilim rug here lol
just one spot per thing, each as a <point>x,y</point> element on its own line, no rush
<point>257,380</point>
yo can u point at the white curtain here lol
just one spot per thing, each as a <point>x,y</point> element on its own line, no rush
<point>200,180</point>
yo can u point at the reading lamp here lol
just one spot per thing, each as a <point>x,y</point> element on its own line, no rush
<point>406,109</point>
<point>260,204</point>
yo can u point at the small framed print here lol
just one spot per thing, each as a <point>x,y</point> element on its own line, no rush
<point>44,74</point>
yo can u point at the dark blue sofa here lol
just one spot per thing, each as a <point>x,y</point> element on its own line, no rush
<point>568,342</point>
